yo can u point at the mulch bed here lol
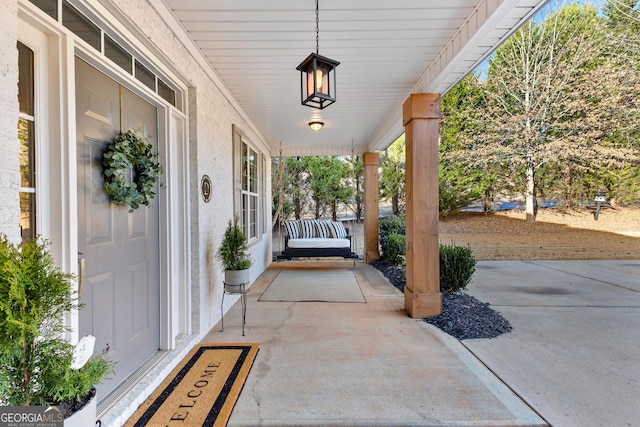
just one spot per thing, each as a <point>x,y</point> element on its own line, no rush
<point>463,316</point>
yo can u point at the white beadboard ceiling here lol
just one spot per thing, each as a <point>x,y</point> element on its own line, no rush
<point>387,50</point>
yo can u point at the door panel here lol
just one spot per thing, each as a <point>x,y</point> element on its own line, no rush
<point>99,292</point>
<point>99,228</point>
<point>121,279</point>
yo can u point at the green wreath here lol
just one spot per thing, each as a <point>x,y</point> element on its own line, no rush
<point>131,170</point>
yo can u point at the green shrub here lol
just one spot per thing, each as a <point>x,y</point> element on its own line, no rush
<point>388,226</point>
<point>457,265</point>
<point>35,359</point>
<point>232,252</point>
<point>396,249</point>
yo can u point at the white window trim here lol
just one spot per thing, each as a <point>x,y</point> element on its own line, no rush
<point>239,138</point>
<point>252,197</point>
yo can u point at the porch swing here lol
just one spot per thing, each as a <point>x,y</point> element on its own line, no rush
<point>311,238</point>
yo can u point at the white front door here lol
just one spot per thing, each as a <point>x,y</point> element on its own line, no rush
<point>120,286</point>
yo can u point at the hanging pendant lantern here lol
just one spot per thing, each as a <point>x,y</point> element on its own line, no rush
<point>317,77</point>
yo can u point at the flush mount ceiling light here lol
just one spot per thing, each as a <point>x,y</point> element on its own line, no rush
<point>316,126</point>
<point>317,77</point>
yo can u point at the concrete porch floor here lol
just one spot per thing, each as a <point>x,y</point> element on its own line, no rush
<point>355,364</point>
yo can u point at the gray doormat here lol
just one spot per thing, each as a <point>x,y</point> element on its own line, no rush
<point>310,285</point>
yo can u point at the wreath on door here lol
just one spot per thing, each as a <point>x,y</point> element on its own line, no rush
<point>131,170</point>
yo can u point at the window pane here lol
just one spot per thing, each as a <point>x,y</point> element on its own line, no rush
<point>252,171</point>
<point>26,136</point>
<point>81,26</point>
<point>27,153</point>
<point>245,208</point>
<point>145,76</point>
<point>117,54</point>
<point>25,79</point>
<point>253,218</point>
<point>245,170</point>
<point>50,7</point>
<point>166,93</point>
<point>27,215</point>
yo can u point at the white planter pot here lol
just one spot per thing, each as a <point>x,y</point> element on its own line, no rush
<point>236,277</point>
<point>85,417</point>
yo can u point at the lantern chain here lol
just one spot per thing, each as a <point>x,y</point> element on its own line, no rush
<point>317,31</point>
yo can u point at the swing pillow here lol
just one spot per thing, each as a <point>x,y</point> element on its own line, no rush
<point>337,230</point>
<point>293,229</point>
<point>312,228</point>
<point>323,229</point>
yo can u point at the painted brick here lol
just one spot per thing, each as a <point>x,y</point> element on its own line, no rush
<point>9,146</point>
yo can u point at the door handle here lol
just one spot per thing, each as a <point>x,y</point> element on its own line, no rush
<point>81,266</point>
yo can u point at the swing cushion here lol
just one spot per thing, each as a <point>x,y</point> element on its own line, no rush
<point>319,242</point>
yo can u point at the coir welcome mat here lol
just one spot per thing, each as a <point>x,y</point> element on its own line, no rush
<point>202,390</point>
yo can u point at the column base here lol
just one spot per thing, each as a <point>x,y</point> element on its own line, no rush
<point>422,305</point>
<point>371,256</point>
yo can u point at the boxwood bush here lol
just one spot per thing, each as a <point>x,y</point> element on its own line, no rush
<point>388,226</point>
<point>396,249</point>
<point>457,265</point>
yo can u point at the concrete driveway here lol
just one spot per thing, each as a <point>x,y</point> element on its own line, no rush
<point>574,352</point>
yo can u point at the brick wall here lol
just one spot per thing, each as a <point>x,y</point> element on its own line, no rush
<point>9,147</point>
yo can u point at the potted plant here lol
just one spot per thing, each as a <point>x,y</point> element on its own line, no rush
<point>233,256</point>
<point>38,366</point>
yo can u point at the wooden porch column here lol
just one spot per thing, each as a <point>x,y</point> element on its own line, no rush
<point>421,115</point>
<point>370,162</point>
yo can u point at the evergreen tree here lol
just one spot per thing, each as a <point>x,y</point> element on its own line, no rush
<point>460,183</point>
<point>392,177</point>
<point>326,183</point>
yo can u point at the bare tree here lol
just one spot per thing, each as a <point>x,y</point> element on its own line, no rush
<point>549,99</point>
<point>529,93</point>
<point>623,21</point>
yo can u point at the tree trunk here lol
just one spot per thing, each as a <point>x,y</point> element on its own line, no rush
<point>334,210</point>
<point>317,208</point>
<point>395,204</point>
<point>567,180</point>
<point>358,201</point>
<point>297,207</point>
<point>530,192</point>
<point>486,201</point>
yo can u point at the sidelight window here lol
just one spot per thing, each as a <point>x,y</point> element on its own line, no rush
<point>26,135</point>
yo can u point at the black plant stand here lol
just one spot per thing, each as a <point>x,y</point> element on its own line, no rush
<point>235,290</point>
